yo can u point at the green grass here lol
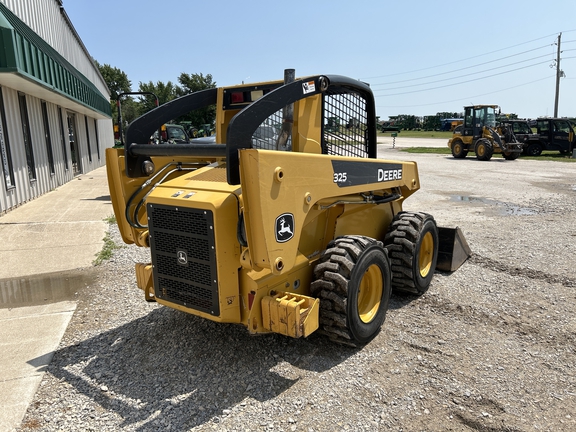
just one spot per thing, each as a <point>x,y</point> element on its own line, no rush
<point>107,250</point>
<point>110,219</point>
<point>545,156</point>
<point>109,245</point>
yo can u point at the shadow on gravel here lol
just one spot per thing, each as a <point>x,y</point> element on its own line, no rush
<point>398,301</point>
<point>172,368</point>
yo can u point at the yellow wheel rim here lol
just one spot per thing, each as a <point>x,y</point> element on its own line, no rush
<point>457,148</point>
<point>370,293</point>
<point>426,254</point>
<point>481,150</point>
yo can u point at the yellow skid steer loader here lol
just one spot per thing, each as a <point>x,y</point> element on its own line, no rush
<point>283,223</point>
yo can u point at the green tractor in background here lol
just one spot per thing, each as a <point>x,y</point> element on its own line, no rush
<point>205,130</point>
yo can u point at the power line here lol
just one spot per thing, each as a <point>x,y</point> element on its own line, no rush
<point>464,82</point>
<point>462,60</point>
<point>470,74</point>
<point>465,98</point>
<point>464,68</point>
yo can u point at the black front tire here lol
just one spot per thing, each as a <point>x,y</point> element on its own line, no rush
<point>511,155</point>
<point>412,243</point>
<point>354,286</point>
<point>483,149</point>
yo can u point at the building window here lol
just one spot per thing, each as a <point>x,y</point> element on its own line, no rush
<point>88,139</point>
<point>5,147</point>
<point>74,145</point>
<point>47,137</point>
<point>27,136</point>
<point>63,138</point>
<point>97,140</point>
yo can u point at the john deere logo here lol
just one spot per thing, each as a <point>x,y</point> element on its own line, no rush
<point>182,257</point>
<point>284,227</point>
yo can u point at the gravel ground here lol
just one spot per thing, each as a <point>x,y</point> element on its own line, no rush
<point>490,347</point>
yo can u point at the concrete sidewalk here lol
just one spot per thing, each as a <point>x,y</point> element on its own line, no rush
<point>47,248</point>
<point>58,231</point>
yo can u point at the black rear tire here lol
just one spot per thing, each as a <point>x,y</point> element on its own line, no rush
<point>412,243</point>
<point>458,149</point>
<point>353,285</point>
<point>534,149</point>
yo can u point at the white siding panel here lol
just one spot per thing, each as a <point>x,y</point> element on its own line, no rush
<point>22,192</point>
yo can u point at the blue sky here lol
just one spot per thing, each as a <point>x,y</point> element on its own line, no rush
<point>420,57</point>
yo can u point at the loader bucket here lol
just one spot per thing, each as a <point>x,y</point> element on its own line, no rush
<point>453,249</point>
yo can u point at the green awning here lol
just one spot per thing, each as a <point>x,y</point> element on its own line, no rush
<point>24,53</point>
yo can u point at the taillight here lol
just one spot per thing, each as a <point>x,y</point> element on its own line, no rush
<point>237,97</point>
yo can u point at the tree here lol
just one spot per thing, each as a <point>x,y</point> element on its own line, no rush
<point>117,82</point>
<point>164,93</point>
<point>130,110</point>
<point>192,83</point>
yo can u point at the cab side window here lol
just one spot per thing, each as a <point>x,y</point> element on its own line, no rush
<point>542,127</point>
<point>561,126</point>
<point>468,118</point>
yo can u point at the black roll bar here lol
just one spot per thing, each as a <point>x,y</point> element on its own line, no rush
<point>140,130</point>
<point>241,127</point>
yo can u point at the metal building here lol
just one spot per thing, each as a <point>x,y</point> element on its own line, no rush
<point>55,118</point>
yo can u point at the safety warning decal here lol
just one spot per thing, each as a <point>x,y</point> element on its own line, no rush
<point>309,87</point>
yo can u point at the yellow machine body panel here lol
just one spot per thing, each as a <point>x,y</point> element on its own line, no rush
<point>123,187</point>
<point>281,189</point>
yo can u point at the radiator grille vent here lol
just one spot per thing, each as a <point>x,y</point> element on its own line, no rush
<point>180,220</point>
<point>184,256</point>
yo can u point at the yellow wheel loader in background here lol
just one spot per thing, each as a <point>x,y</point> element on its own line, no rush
<point>283,224</point>
<point>483,136</point>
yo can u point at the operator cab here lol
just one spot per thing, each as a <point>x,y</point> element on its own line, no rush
<point>477,117</point>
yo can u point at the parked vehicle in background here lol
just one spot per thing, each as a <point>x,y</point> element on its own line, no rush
<point>554,134</point>
<point>523,133</point>
<point>171,134</point>
<point>449,124</point>
<point>205,130</point>
<point>480,134</point>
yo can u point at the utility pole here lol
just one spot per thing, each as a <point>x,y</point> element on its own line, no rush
<point>558,75</point>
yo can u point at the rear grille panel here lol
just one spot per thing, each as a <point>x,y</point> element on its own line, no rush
<point>184,256</point>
